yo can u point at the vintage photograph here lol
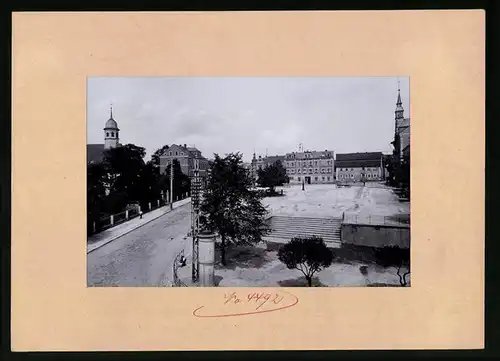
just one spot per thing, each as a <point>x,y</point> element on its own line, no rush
<point>248,182</point>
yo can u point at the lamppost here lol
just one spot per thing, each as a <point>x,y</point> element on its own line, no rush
<point>172,185</point>
<point>302,184</point>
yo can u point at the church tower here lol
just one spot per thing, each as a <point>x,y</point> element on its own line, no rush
<point>111,138</point>
<point>399,109</point>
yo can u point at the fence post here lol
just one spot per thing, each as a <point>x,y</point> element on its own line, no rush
<point>111,219</point>
<point>126,214</point>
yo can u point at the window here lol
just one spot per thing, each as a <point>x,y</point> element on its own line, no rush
<point>176,153</point>
<point>316,178</point>
<point>310,170</point>
<point>323,178</point>
<point>298,171</point>
<point>369,175</point>
<point>112,134</point>
<point>315,162</point>
<point>310,163</point>
<point>316,170</point>
<point>170,153</point>
<point>352,169</point>
<point>352,175</point>
<point>328,178</point>
<point>293,165</point>
<point>341,176</point>
<point>322,170</point>
<point>298,178</point>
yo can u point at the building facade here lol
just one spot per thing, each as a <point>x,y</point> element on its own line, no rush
<point>359,167</point>
<point>186,157</point>
<point>310,167</point>
<point>95,152</point>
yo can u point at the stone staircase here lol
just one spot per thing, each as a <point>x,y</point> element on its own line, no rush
<point>284,228</point>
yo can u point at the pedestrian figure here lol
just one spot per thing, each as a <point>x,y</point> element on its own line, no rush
<point>140,214</point>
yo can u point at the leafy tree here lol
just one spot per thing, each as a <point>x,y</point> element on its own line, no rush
<point>404,174</point>
<point>229,206</point>
<point>125,168</point>
<point>272,175</point>
<point>155,157</point>
<point>96,192</point>
<point>393,256</point>
<point>308,255</point>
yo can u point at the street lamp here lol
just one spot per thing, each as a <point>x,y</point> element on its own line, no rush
<point>171,185</point>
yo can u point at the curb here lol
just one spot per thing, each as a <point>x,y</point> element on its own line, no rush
<point>133,229</point>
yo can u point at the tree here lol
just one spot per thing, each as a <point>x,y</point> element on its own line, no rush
<point>125,169</point>
<point>96,192</point>
<point>155,157</point>
<point>272,175</point>
<point>308,255</point>
<point>393,256</point>
<point>229,206</point>
<point>405,174</point>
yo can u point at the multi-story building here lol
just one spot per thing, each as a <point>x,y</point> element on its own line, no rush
<point>310,167</point>
<point>186,157</point>
<point>359,167</point>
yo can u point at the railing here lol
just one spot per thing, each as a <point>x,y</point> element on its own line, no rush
<point>376,220</point>
<point>177,281</point>
<point>115,219</point>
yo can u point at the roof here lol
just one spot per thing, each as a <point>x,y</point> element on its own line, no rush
<point>193,149</point>
<point>357,163</point>
<point>111,124</point>
<point>95,153</point>
<point>273,159</point>
<point>312,154</point>
<point>375,156</point>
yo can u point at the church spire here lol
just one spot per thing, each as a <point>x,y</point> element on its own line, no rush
<point>111,111</point>
<point>399,106</point>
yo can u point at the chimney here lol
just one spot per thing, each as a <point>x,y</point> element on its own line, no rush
<point>184,145</point>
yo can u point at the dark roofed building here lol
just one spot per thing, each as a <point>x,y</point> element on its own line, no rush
<point>359,167</point>
<point>186,157</point>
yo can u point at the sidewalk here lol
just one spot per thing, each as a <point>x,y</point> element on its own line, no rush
<point>100,239</point>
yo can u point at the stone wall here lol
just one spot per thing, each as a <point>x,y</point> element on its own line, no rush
<point>375,236</point>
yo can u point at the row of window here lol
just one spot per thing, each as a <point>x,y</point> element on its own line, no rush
<point>323,170</point>
<point>112,134</point>
<point>363,168</point>
<point>368,175</point>
<point>310,163</point>
<point>315,178</point>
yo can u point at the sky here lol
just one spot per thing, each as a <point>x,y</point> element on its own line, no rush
<point>272,114</point>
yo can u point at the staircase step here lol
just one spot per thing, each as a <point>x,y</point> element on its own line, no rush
<point>290,236</point>
<point>305,221</point>
<point>311,227</point>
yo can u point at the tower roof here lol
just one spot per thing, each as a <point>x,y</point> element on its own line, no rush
<point>111,123</point>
